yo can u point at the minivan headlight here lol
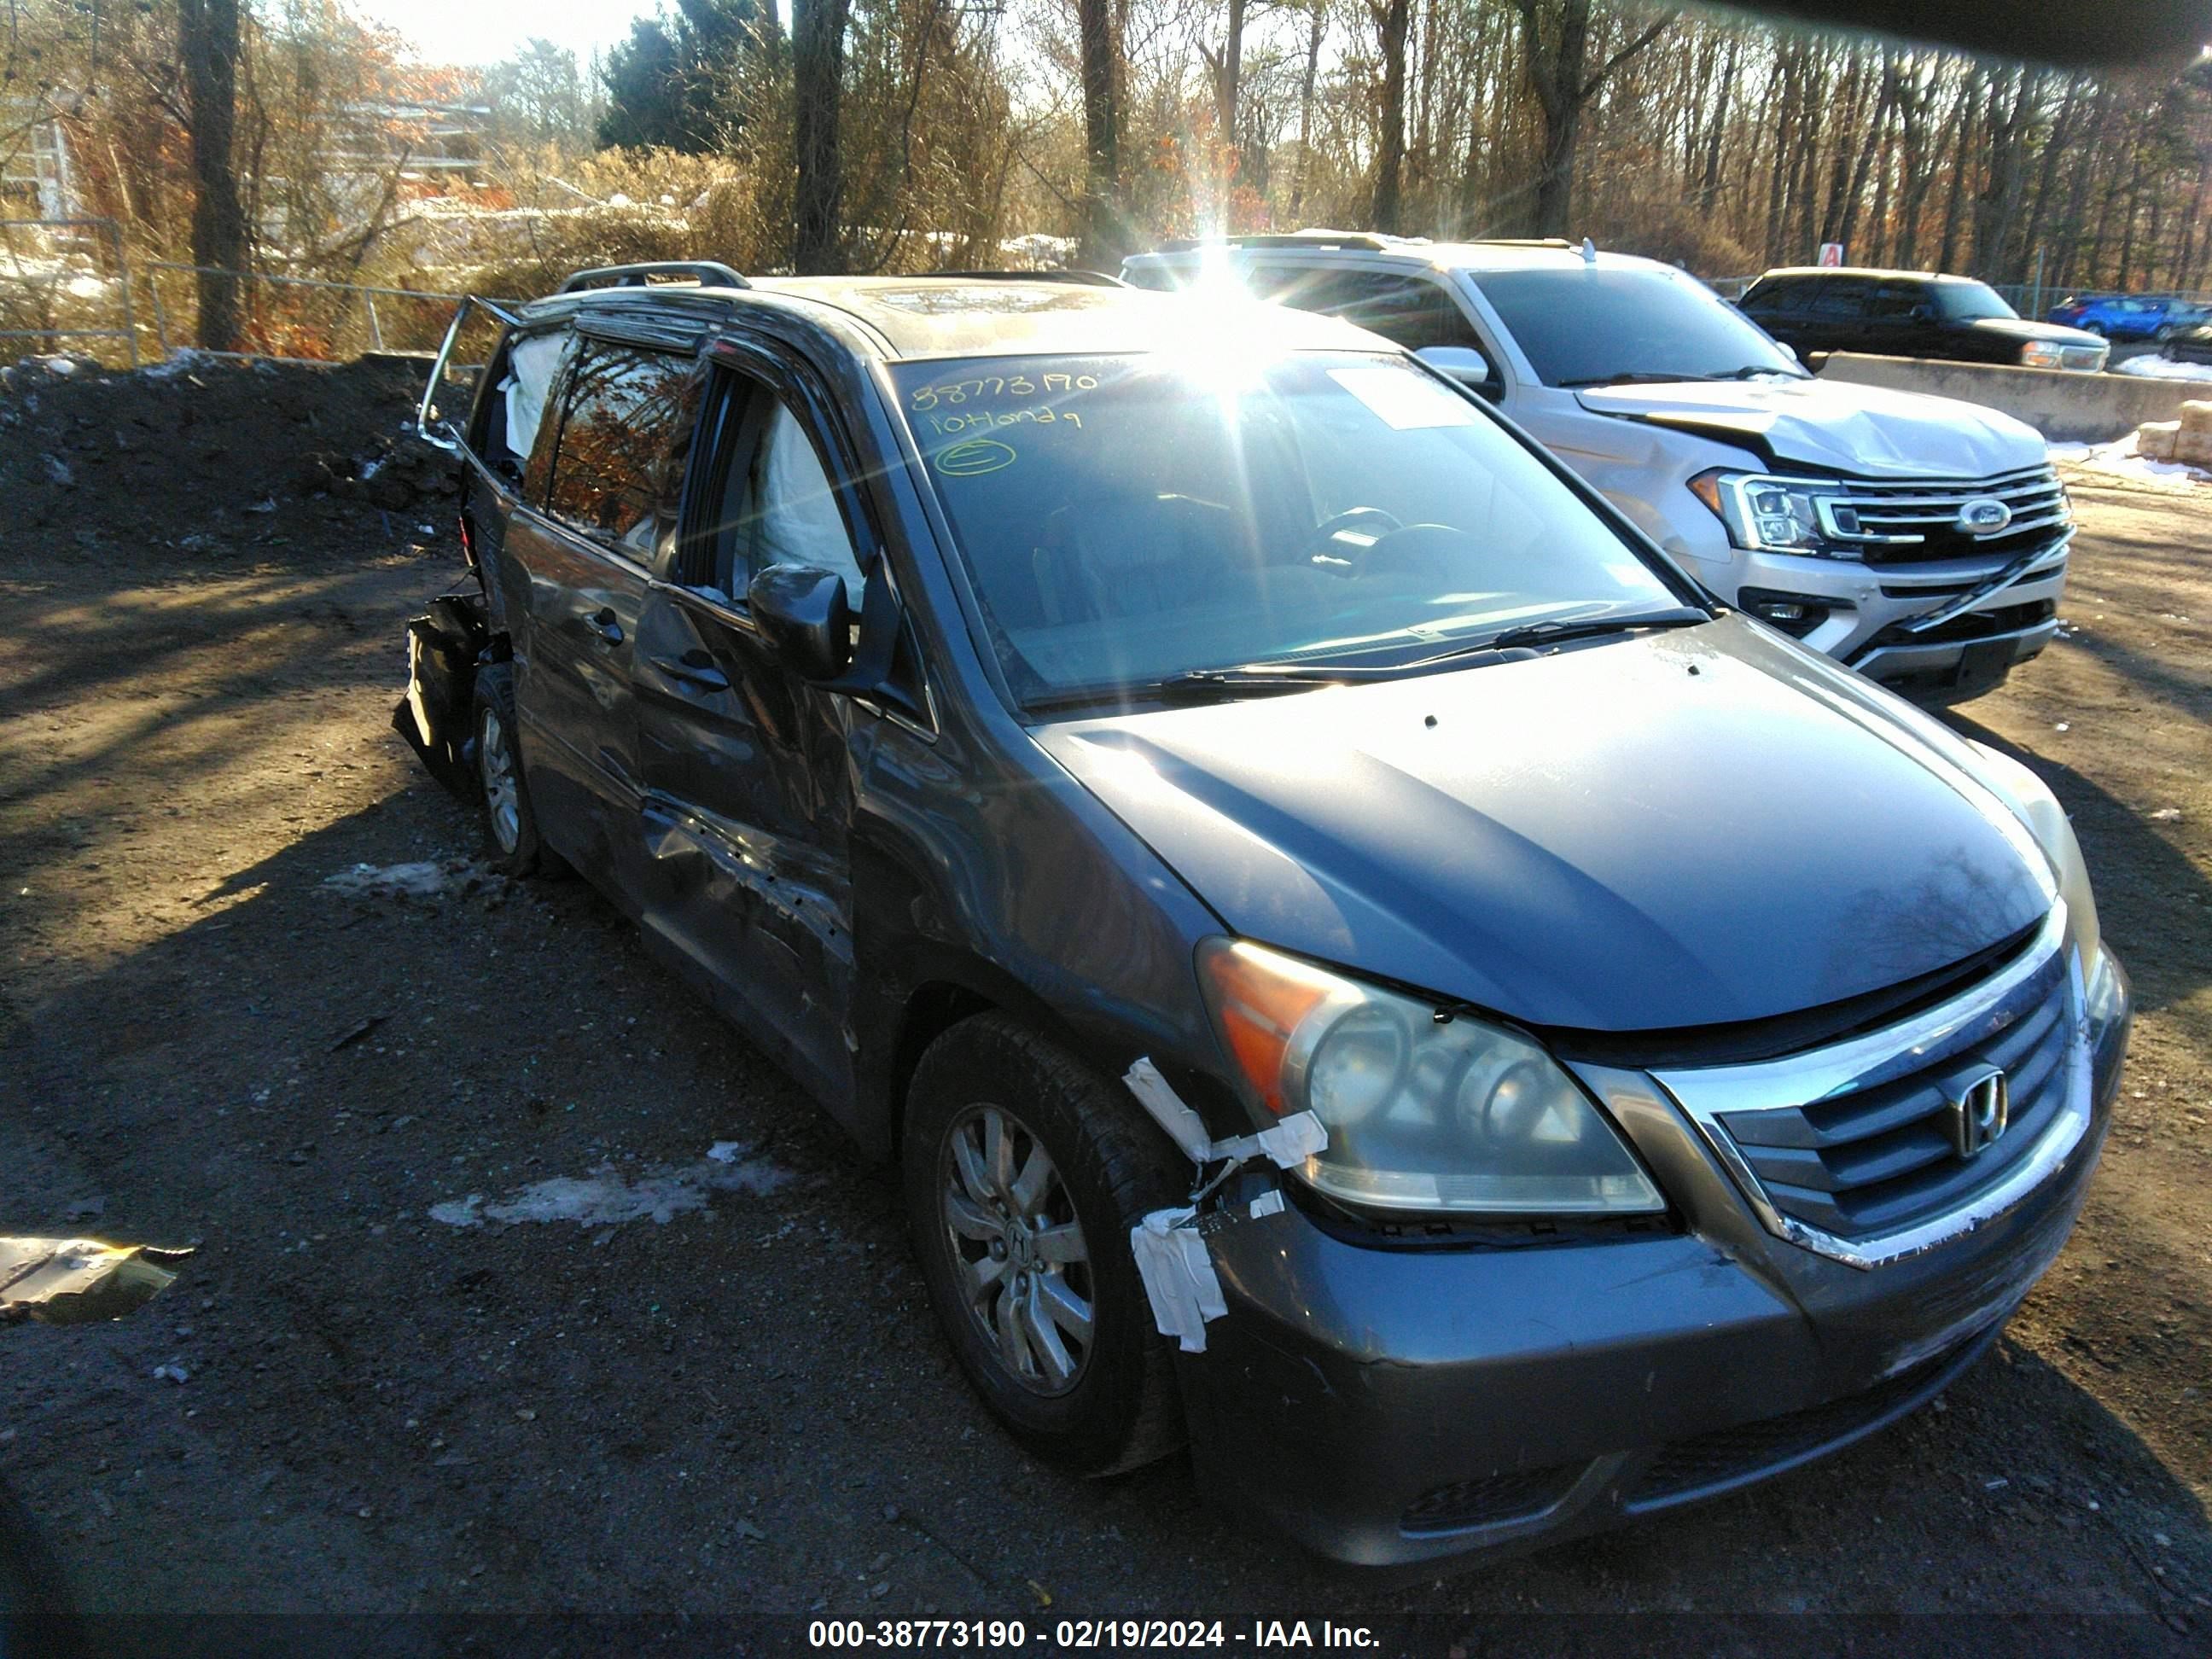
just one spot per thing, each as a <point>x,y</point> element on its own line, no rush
<point>1428,1110</point>
<point>1778,515</point>
<point>2031,800</point>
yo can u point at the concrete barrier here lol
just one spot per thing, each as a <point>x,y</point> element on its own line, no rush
<point>2064,406</point>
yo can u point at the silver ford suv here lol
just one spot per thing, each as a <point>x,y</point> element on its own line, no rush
<point>1921,540</point>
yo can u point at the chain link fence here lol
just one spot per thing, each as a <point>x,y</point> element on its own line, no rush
<point>68,285</point>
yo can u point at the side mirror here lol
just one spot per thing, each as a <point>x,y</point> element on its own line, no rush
<point>801,610</point>
<point>1789,351</point>
<point>1464,363</point>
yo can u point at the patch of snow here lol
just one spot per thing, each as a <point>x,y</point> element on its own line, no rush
<point>605,1197</point>
<point>422,880</point>
<point>177,363</point>
<point>2150,368</point>
<point>2119,459</point>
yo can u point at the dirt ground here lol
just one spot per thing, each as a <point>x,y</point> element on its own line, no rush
<point>742,1407</point>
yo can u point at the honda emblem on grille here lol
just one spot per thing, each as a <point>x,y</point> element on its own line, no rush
<point>1984,515</point>
<point>1979,1111</point>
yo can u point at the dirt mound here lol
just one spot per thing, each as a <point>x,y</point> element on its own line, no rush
<point>219,457</point>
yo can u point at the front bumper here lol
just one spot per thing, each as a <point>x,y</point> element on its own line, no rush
<point>1869,609</point>
<point>1395,1405</point>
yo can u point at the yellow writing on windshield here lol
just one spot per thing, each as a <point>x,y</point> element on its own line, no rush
<point>976,456</point>
<point>985,419</point>
<point>978,387</point>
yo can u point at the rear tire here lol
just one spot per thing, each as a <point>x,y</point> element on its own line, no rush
<point>1023,1172</point>
<point>511,845</point>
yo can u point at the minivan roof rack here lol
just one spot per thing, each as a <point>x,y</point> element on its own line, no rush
<point>1365,241</point>
<point>1082,278</point>
<point>706,273</point>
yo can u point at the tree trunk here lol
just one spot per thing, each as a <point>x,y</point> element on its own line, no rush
<point>1555,72</point>
<point>1709,191</point>
<point>1392,18</point>
<point>1228,75</point>
<point>817,76</point>
<point>1912,174</point>
<point>2077,194</point>
<point>206,40</point>
<point>1876,140</point>
<point>2055,144</point>
<point>1317,31</point>
<point>1961,163</point>
<point>1104,233</point>
<point>1852,114</point>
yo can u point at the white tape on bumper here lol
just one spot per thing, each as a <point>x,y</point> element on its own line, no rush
<point>1179,1276</point>
<point>1287,1144</point>
<point>1156,1096</point>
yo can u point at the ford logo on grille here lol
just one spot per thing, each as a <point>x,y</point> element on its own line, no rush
<point>1984,515</point>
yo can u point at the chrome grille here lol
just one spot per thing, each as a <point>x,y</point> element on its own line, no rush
<point>1846,1149</point>
<point>1879,1159</point>
<point>1916,523</point>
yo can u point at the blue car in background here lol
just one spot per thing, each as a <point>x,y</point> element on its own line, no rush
<point>2130,316</point>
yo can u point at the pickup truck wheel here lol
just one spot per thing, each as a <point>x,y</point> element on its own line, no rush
<point>1023,1173</point>
<point>512,846</point>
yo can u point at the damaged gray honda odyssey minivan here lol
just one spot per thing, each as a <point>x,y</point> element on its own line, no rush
<point>1364,967</point>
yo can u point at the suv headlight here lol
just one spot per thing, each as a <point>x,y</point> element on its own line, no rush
<point>2042,354</point>
<point>1428,1110</point>
<point>1780,515</point>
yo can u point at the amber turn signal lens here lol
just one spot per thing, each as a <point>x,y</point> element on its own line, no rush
<point>1261,998</point>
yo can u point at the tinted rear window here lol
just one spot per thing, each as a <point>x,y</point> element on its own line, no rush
<point>1968,301</point>
<point>1595,323</point>
<point>621,413</point>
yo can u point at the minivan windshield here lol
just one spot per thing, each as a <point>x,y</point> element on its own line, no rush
<point>1143,525</point>
<point>1601,324</point>
<point>1966,302</point>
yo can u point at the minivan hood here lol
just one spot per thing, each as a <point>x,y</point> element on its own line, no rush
<point>1685,828</point>
<point>1863,431</point>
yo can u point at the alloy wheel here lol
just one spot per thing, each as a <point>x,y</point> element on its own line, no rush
<point>1023,1264</point>
<point>502,792</point>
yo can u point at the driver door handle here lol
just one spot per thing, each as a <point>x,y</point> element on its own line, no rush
<point>699,676</point>
<point>607,625</point>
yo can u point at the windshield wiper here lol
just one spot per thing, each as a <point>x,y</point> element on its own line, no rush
<point>1205,685</point>
<point>1639,377</point>
<point>1653,377</point>
<point>1556,633</point>
<point>1263,679</point>
<point>1253,679</point>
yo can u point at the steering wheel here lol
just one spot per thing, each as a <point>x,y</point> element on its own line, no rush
<point>1373,520</point>
<point>1427,549</point>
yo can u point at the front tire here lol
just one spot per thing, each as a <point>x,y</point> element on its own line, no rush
<point>511,842</point>
<point>1023,1172</point>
